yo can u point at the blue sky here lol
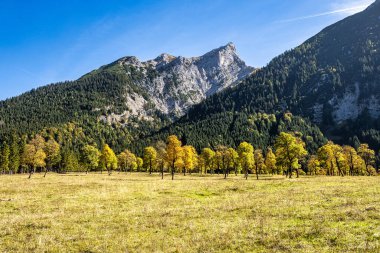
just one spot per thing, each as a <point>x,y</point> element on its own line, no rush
<point>44,41</point>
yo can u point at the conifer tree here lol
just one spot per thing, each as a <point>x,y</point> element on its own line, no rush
<point>4,158</point>
<point>14,157</point>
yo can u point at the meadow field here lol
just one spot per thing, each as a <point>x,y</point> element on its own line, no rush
<point>142,213</point>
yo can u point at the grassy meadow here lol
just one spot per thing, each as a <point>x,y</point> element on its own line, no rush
<point>142,213</point>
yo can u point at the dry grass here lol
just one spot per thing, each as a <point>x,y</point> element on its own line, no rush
<point>141,213</point>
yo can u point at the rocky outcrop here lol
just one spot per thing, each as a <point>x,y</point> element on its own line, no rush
<point>173,84</point>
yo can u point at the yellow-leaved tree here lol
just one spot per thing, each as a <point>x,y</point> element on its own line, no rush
<point>233,160</point>
<point>355,163</point>
<point>270,162</point>
<point>34,155</point>
<point>161,159</point>
<point>259,162</point>
<point>289,151</point>
<point>174,153</point>
<point>368,156</point>
<point>190,159</point>
<point>313,165</point>
<point>109,159</point>
<point>91,156</point>
<point>207,156</point>
<point>246,157</point>
<point>53,154</point>
<point>332,159</point>
<point>222,160</point>
<point>139,163</point>
<point>150,158</point>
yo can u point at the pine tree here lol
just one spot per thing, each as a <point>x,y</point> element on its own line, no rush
<point>14,158</point>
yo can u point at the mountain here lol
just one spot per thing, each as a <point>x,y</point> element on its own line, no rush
<point>171,85</point>
<point>127,97</point>
<point>331,79</point>
<point>328,83</point>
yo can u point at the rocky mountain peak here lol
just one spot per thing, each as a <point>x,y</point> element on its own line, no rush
<point>171,85</point>
<point>163,59</point>
<point>229,48</point>
<point>223,51</point>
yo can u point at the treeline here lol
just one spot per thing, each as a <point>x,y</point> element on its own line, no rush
<point>289,157</point>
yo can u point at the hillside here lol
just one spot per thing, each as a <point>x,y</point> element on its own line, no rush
<point>231,129</point>
<point>125,98</point>
<point>331,79</point>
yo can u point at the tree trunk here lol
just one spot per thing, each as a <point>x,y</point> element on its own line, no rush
<point>290,172</point>
<point>46,171</point>
<point>257,173</point>
<point>30,172</point>
<point>173,167</point>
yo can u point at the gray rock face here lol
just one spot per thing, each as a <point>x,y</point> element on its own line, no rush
<point>348,105</point>
<point>173,84</point>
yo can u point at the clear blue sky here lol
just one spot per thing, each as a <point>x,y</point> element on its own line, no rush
<point>46,41</point>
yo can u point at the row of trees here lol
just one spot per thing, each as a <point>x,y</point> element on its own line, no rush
<point>289,157</point>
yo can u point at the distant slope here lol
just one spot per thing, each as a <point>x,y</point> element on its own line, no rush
<point>332,79</point>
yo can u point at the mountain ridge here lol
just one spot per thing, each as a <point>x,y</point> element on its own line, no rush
<point>330,79</point>
<point>127,95</point>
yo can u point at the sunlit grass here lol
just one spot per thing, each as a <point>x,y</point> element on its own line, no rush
<point>142,213</point>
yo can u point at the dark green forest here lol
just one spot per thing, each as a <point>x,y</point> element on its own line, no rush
<point>327,65</point>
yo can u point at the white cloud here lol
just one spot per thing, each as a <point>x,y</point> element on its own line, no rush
<point>337,8</point>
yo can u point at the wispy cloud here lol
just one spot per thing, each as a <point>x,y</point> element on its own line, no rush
<point>349,8</point>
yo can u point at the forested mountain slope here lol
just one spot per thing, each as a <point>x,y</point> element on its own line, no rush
<point>125,98</point>
<point>332,79</point>
<point>232,128</point>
